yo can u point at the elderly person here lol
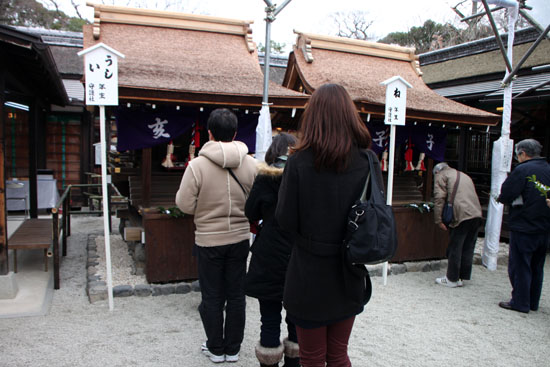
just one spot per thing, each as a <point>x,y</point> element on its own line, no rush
<point>529,223</point>
<point>464,226</point>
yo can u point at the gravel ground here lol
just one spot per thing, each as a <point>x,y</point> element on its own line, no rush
<point>409,322</point>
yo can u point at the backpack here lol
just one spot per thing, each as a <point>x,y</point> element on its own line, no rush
<point>371,236</point>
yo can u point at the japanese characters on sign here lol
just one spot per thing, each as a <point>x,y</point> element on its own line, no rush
<point>396,104</point>
<point>396,100</point>
<point>101,75</point>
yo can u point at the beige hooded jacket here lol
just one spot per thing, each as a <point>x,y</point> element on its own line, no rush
<point>466,204</point>
<point>208,192</point>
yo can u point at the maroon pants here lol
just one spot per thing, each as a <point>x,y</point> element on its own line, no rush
<point>325,346</point>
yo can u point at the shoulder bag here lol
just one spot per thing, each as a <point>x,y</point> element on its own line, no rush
<point>371,236</point>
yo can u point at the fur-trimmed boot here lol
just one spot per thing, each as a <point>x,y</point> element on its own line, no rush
<point>269,357</point>
<point>292,354</point>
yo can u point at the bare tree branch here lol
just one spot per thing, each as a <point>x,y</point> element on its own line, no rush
<point>352,24</point>
<point>76,6</point>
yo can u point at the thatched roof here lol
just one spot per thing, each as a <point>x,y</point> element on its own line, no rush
<point>361,66</point>
<point>481,58</point>
<point>184,58</point>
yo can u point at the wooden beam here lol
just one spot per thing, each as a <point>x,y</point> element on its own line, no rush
<point>146,95</point>
<point>4,266</point>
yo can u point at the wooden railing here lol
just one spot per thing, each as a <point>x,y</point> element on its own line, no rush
<point>61,229</point>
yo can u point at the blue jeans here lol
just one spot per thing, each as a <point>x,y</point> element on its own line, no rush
<point>221,276</point>
<point>270,331</point>
<point>526,269</point>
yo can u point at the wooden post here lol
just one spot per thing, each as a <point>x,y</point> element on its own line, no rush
<point>146,177</point>
<point>4,266</point>
<point>64,218</point>
<point>55,240</point>
<point>68,213</point>
<point>462,153</point>
<point>33,156</point>
<point>429,180</point>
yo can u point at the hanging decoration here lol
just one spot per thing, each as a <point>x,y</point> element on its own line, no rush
<point>420,165</point>
<point>384,161</point>
<point>195,142</point>
<point>170,158</point>
<point>409,155</point>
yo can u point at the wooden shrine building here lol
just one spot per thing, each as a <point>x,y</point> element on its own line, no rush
<point>361,66</point>
<point>472,74</point>
<point>29,85</point>
<point>177,68</point>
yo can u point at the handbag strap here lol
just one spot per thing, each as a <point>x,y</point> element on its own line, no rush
<point>455,187</point>
<point>376,182</point>
<point>239,182</point>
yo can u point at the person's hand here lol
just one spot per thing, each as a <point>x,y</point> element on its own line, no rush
<point>548,202</point>
<point>442,226</point>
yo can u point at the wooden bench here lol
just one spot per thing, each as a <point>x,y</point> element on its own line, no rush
<point>32,234</point>
<point>163,190</point>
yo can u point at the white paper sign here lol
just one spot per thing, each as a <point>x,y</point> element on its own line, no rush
<point>507,153</point>
<point>396,100</point>
<point>101,75</point>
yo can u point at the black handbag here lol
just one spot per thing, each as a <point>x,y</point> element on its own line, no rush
<point>371,236</point>
<point>447,212</point>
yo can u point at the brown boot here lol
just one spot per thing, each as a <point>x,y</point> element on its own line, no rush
<point>269,357</point>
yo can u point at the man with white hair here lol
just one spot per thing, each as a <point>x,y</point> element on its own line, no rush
<point>529,222</point>
<point>464,226</point>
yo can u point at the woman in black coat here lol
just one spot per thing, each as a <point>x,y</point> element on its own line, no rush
<point>322,179</point>
<point>270,254</point>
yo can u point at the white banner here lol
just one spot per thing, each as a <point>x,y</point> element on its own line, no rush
<point>263,133</point>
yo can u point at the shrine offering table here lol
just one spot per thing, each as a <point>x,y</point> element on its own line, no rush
<point>418,238</point>
<point>169,248</point>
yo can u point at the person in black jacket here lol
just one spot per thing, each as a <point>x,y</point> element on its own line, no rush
<point>529,222</point>
<point>270,253</point>
<point>322,179</point>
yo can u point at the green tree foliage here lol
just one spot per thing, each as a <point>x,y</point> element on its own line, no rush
<point>422,37</point>
<point>31,13</point>
<point>433,36</point>
<point>276,47</point>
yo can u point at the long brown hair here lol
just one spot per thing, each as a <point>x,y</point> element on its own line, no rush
<point>331,127</point>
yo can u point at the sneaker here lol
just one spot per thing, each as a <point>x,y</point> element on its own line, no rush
<point>214,358</point>
<point>232,358</point>
<point>460,283</point>
<point>446,282</point>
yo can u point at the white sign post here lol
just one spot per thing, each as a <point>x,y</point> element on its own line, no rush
<point>396,106</point>
<point>101,76</point>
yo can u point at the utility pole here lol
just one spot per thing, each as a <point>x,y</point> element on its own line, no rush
<point>263,130</point>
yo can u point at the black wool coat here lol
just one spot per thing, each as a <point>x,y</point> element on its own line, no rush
<point>271,249</point>
<point>320,287</point>
<point>533,216</point>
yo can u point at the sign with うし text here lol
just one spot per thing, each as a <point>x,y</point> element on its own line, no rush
<point>101,75</point>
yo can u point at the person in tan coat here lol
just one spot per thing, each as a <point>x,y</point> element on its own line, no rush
<point>464,226</point>
<point>214,189</point>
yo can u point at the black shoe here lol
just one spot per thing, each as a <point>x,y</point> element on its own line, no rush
<point>508,306</point>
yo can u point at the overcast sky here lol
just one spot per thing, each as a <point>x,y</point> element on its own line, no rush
<point>314,15</point>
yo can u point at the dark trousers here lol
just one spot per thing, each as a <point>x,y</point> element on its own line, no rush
<point>460,252</point>
<point>270,331</point>
<point>221,276</point>
<point>325,346</point>
<point>526,268</point>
